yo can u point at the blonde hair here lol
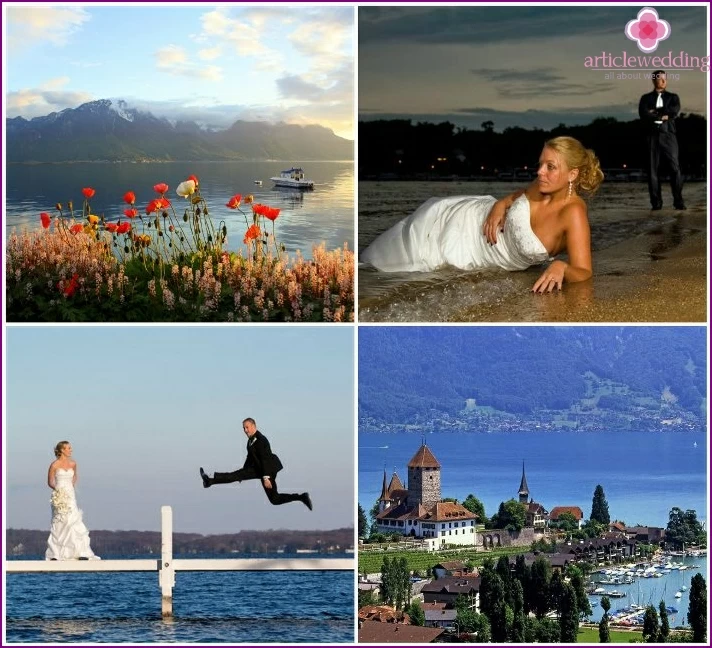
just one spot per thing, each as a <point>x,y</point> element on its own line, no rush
<point>58,448</point>
<point>577,156</point>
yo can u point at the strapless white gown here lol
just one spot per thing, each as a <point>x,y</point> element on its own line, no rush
<point>68,537</point>
<point>448,231</point>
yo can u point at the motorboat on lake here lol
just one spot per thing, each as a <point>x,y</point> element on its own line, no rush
<point>293,178</point>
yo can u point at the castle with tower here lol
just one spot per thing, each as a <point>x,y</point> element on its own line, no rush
<point>418,510</point>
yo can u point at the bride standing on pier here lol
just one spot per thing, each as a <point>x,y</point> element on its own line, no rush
<point>68,538</point>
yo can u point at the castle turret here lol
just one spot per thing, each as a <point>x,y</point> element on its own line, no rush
<point>423,478</point>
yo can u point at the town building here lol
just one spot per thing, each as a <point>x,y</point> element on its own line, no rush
<point>418,510</point>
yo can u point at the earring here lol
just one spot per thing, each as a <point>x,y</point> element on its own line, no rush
<point>571,189</point>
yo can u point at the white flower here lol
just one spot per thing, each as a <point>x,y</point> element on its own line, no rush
<point>186,188</point>
<point>61,502</point>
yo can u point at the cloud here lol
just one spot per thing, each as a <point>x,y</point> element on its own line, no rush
<point>210,54</point>
<point>516,84</point>
<point>48,98</point>
<point>174,60</point>
<point>29,26</point>
<point>480,25</point>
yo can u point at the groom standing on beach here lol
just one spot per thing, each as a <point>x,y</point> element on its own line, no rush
<point>658,110</point>
<point>261,463</point>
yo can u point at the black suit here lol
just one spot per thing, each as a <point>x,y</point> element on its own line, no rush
<point>260,462</point>
<point>662,143</point>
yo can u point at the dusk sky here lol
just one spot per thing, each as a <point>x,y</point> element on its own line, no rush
<point>213,64</point>
<point>516,66</point>
<point>145,407</point>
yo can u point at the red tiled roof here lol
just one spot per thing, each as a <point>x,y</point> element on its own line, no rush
<point>423,459</point>
<point>383,614</point>
<point>445,511</point>
<point>375,632</point>
<point>396,484</point>
<point>558,510</point>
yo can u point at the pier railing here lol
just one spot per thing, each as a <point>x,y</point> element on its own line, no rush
<point>167,566</point>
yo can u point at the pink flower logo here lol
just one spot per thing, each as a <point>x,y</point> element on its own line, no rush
<point>648,30</point>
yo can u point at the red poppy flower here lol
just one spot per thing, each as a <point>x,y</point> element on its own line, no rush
<point>123,228</point>
<point>46,219</point>
<point>75,229</point>
<point>194,179</point>
<point>234,202</point>
<point>111,227</point>
<point>271,213</point>
<point>252,232</point>
<point>72,286</point>
<point>88,192</point>
<point>153,206</point>
<point>160,188</point>
<point>164,203</point>
<point>130,213</point>
<point>130,197</point>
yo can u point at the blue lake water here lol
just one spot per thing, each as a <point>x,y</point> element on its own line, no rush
<point>208,607</point>
<point>643,474</point>
<point>325,214</point>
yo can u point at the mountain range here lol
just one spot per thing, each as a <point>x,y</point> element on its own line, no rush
<point>408,373</point>
<point>105,130</point>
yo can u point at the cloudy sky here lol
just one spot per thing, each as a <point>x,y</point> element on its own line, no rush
<point>214,64</point>
<point>145,407</point>
<point>520,66</point>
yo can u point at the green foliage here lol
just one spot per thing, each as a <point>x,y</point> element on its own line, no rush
<point>518,627</point>
<point>395,582</point>
<point>599,507</point>
<point>416,614</point>
<point>492,603</point>
<point>362,522</point>
<point>475,506</point>
<point>697,613</point>
<point>469,621</point>
<point>650,625</point>
<point>511,516</point>
<point>683,528</point>
<point>664,623</point>
<point>577,581</point>
<point>545,631</point>
<point>568,614</point>
<point>604,633</point>
<point>538,591</point>
<point>365,598</point>
<point>605,604</point>
<point>567,522</point>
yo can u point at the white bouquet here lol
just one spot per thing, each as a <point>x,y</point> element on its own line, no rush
<point>61,502</point>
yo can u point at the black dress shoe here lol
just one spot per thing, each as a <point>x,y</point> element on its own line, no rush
<point>656,208</point>
<point>681,207</point>
<point>307,501</point>
<point>206,479</point>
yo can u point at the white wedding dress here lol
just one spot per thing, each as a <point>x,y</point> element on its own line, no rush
<point>448,231</point>
<point>68,537</point>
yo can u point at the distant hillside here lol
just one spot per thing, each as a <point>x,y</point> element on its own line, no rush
<point>104,130</point>
<point>25,542</point>
<point>408,374</point>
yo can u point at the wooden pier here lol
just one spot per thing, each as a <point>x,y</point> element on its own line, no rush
<point>167,566</point>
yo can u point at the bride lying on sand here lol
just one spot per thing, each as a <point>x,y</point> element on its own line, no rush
<point>528,227</point>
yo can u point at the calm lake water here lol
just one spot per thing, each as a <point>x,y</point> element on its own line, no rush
<point>626,239</point>
<point>643,475</point>
<point>325,214</point>
<point>209,607</point>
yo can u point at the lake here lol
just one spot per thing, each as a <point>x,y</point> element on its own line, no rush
<point>643,474</point>
<point>209,607</point>
<point>325,214</point>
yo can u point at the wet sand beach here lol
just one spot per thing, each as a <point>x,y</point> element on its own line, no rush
<point>648,266</point>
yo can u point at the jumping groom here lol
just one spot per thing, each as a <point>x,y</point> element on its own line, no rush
<point>261,463</point>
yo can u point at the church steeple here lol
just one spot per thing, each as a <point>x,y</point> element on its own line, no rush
<point>523,488</point>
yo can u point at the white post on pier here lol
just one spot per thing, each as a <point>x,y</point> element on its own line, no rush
<point>166,573</point>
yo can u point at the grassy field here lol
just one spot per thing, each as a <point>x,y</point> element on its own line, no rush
<point>423,561</point>
<point>590,636</point>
